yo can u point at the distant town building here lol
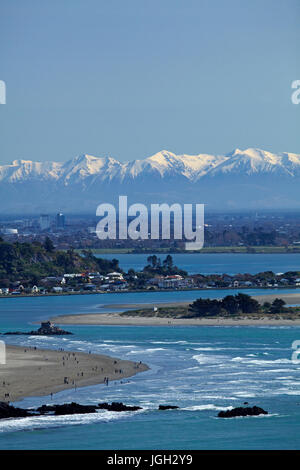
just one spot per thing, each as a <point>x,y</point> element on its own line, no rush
<point>44,221</point>
<point>10,231</point>
<point>60,221</point>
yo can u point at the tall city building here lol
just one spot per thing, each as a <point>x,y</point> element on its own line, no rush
<point>44,222</point>
<point>60,221</point>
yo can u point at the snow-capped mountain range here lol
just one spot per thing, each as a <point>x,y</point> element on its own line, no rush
<point>242,179</point>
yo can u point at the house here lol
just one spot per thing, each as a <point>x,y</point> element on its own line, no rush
<point>4,290</point>
<point>246,283</point>
<point>175,281</point>
<point>115,275</point>
<point>42,290</point>
<point>90,287</point>
<point>105,287</point>
<point>53,280</point>
<point>118,285</point>
<point>154,281</point>
<point>72,275</point>
<point>57,289</point>
<point>35,290</point>
<point>68,289</point>
<point>96,277</point>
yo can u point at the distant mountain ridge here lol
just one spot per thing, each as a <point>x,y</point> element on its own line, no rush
<point>245,179</point>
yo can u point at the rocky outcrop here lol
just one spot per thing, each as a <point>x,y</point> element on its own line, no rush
<point>241,411</point>
<point>46,329</point>
<point>115,406</point>
<point>67,409</point>
<point>167,407</point>
<point>8,411</point>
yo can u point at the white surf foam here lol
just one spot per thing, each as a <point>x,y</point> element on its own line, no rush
<point>41,422</point>
<point>209,406</point>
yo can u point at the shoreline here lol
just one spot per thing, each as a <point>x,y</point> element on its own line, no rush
<point>40,372</point>
<point>145,291</point>
<point>116,319</point>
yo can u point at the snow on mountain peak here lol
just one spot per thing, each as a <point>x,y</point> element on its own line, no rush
<point>241,178</point>
<point>164,164</point>
<point>162,157</point>
<point>190,166</point>
<point>85,166</point>
<point>256,161</point>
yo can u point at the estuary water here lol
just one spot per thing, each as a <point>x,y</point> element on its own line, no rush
<point>216,263</point>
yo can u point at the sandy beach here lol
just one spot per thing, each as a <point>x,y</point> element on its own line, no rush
<point>38,372</point>
<point>117,319</point>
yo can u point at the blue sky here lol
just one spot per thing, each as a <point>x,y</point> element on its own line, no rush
<point>130,78</point>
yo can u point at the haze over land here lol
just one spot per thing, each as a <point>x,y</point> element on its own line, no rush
<point>242,179</point>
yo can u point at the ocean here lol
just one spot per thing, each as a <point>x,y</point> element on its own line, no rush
<point>200,369</point>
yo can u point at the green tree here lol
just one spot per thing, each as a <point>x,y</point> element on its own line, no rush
<point>266,306</point>
<point>153,261</point>
<point>205,307</point>
<point>230,304</point>
<point>168,262</point>
<point>277,306</point>
<point>48,245</point>
<point>247,304</point>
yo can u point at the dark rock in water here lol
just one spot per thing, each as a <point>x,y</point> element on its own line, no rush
<point>8,411</point>
<point>167,407</point>
<point>67,409</point>
<point>115,406</point>
<point>47,329</point>
<point>46,409</point>
<point>240,411</point>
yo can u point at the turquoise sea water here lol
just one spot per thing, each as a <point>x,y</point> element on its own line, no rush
<point>216,263</point>
<point>200,369</point>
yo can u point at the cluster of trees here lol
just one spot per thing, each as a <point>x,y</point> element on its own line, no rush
<point>156,266</point>
<point>277,306</point>
<point>233,304</point>
<point>260,238</point>
<point>33,261</point>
